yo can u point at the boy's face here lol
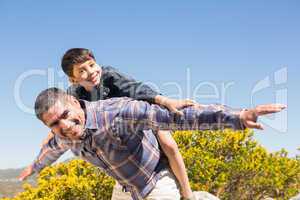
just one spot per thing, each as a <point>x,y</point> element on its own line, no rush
<point>86,74</point>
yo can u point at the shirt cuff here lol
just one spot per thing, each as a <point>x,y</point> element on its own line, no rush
<point>149,97</point>
<point>37,167</point>
<point>235,120</point>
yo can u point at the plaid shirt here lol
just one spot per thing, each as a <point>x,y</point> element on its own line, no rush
<point>116,138</point>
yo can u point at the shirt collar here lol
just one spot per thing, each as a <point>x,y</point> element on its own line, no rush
<point>90,114</point>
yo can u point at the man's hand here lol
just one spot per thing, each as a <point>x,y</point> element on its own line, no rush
<point>249,117</point>
<point>174,105</point>
<point>46,140</point>
<point>25,173</point>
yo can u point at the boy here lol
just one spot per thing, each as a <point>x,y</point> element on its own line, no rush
<point>91,82</point>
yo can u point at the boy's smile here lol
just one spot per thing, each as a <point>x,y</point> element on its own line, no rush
<point>86,74</point>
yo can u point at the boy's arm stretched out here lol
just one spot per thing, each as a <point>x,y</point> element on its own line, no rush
<point>49,153</point>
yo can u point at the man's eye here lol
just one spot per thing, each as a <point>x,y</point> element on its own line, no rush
<point>54,124</point>
<point>65,114</point>
<point>81,71</point>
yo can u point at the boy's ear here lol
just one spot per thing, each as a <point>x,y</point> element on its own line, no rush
<point>72,80</point>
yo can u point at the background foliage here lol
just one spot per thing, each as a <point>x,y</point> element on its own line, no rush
<point>229,164</point>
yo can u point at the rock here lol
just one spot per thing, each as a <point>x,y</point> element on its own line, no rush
<point>296,197</point>
<point>201,195</point>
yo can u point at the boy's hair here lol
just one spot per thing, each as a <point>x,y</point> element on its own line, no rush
<point>75,56</point>
<point>46,99</point>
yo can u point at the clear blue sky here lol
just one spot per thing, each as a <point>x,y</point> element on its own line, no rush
<point>241,42</point>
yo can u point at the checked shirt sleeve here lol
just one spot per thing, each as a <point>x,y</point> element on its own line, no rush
<point>49,153</point>
<point>138,115</point>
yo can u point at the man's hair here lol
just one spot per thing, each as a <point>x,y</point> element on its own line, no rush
<point>75,56</point>
<point>46,99</point>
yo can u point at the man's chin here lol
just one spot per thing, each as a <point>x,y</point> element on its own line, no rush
<point>75,137</point>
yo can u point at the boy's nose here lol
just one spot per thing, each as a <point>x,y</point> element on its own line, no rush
<point>90,71</point>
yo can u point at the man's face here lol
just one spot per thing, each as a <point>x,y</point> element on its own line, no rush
<point>86,74</point>
<point>65,119</point>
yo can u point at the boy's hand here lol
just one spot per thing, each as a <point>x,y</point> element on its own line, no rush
<point>249,117</point>
<point>25,173</point>
<point>173,105</point>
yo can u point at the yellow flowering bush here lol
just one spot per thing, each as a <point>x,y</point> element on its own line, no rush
<point>229,164</point>
<point>75,180</point>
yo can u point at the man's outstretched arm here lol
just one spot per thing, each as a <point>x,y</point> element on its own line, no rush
<point>211,117</point>
<point>49,153</point>
<point>138,115</point>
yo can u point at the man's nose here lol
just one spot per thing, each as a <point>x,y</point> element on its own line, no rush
<point>65,124</point>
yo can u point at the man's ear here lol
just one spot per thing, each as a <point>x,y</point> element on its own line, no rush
<point>75,101</point>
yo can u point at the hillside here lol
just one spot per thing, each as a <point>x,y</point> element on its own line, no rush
<point>9,185</point>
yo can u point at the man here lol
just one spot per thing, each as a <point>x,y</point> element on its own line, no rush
<point>110,134</point>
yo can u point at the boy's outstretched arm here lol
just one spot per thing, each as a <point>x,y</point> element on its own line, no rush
<point>176,162</point>
<point>49,153</point>
<point>129,87</point>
